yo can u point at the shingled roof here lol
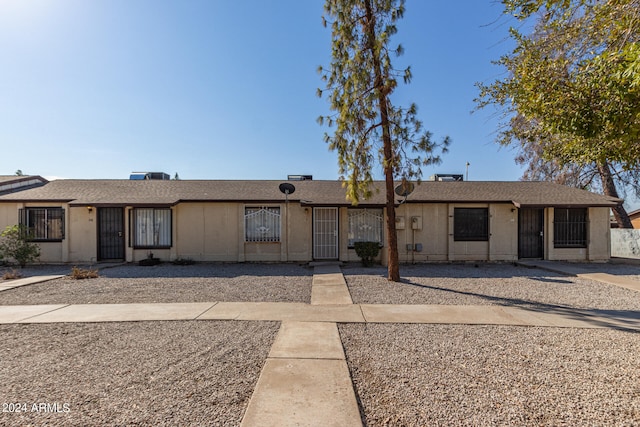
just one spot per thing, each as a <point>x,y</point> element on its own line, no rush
<point>311,193</point>
<point>13,183</point>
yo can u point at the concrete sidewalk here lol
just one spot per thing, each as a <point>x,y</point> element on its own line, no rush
<point>299,312</point>
<point>578,270</point>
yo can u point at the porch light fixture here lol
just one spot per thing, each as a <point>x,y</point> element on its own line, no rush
<point>89,209</point>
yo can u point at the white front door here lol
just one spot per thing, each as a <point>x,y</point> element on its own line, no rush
<point>325,233</point>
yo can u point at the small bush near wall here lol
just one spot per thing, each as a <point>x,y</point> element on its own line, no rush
<point>11,274</point>
<point>183,261</point>
<point>81,273</point>
<point>150,260</point>
<point>15,243</point>
<point>367,251</point>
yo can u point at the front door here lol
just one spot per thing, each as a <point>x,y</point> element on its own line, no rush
<point>110,233</point>
<point>325,233</point>
<point>531,233</point>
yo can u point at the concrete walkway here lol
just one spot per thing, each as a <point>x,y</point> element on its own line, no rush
<point>578,270</point>
<point>329,286</point>
<point>5,286</point>
<point>305,378</point>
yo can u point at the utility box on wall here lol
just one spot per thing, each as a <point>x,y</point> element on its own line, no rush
<point>414,248</point>
<point>400,223</point>
<point>416,223</point>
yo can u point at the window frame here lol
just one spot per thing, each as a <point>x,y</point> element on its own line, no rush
<point>352,213</point>
<point>466,231</point>
<point>133,227</point>
<point>26,217</point>
<point>565,224</point>
<point>262,214</point>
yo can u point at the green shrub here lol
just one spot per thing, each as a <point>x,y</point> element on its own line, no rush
<point>367,251</point>
<point>15,244</point>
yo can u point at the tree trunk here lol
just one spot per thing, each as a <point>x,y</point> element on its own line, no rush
<point>393,270</point>
<point>609,188</point>
<point>392,238</point>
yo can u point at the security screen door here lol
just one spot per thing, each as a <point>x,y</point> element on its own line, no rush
<point>325,233</point>
<point>110,233</point>
<point>531,233</point>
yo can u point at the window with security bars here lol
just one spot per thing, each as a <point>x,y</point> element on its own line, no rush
<point>151,227</point>
<point>570,228</point>
<point>262,224</point>
<point>43,224</point>
<point>471,224</point>
<point>365,225</point>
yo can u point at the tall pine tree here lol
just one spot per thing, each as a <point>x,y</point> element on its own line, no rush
<point>369,129</point>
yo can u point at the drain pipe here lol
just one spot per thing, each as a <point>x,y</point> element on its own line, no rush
<point>413,245</point>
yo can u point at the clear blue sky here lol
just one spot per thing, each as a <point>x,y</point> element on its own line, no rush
<point>216,89</point>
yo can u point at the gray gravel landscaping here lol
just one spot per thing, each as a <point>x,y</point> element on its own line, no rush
<point>485,284</point>
<point>142,373</point>
<point>169,283</point>
<point>417,375</point>
<point>203,372</point>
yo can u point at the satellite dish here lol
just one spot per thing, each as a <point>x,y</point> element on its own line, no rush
<point>404,189</point>
<point>287,188</point>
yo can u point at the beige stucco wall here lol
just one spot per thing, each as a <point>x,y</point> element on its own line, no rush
<point>206,231</point>
<point>598,238</point>
<point>50,252</point>
<point>431,225</point>
<point>503,230</point>
<point>436,234</point>
<point>299,228</point>
<point>425,225</point>
<point>503,235</point>
<point>466,251</point>
<point>599,247</point>
<point>81,236</point>
<point>215,232</point>
<point>8,215</point>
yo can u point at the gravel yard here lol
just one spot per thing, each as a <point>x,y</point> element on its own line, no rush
<point>169,283</point>
<point>486,284</point>
<point>416,375</point>
<point>140,373</point>
<point>204,372</point>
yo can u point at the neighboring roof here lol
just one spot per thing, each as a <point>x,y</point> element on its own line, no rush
<point>14,183</point>
<point>311,193</point>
